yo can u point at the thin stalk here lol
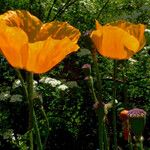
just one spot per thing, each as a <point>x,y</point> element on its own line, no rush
<point>90,81</point>
<point>102,9</point>
<point>47,124</point>
<point>130,142</point>
<point>62,9</point>
<point>23,84</point>
<point>39,143</point>
<point>139,143</point>
<point>125,87</point>
<point>103,140</point>
<point>100,114</point>
<point>30,99</point>
<point>30,5</point>
<point>50,10</point>
<point>114,106</point>
<point>106,146</point>
<point>101,128</point>
<point>32,117</point>
<point>98,76</point>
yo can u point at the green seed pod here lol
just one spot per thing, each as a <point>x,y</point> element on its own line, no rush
<point>137,121</point>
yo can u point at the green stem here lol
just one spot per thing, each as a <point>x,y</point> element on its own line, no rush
<point>106,146</point>
<point>47,124</point>
<point>23,84</point>
<point>114,106</point>
<point>101,127</point>
<point>130,143</point>
<point>98,76</point>
<point>32,117</point>
<point>139,143</point>
<point>101,112</point>
<point>50,10</point>
<point>90,81</point>
<point>39,143</point>
<point>30,100</point>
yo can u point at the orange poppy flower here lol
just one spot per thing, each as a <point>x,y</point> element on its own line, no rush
<point>120,40</point>
<point>29,44</point>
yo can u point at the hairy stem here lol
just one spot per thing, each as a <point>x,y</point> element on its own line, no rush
<point>114,106</point>
<point>30,105</point>
<point>39,143</point>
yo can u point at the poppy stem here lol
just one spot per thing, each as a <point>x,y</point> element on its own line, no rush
<point>39,143</point>
<point>114,105</point>
<point>103,139</point>
<point>25,91</point>
<point>47,124</point>
<point>32,115</point>
<point>139,143</point>
<point>30,105</point>
<point>106,142</point>
<point>130,142</point>
<point>99,113</point>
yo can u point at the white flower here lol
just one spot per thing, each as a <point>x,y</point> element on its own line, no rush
<point>54,83</point>
<point>16,84</point>
<point>13,137</point>
<point>5,95</point>
<point>35,83</point>
<point>51,81</point>
<point>16,98</point>
<point>62,87</point>
<point>132,61</point>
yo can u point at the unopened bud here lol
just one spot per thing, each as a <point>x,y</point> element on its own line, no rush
<point>123,115</point>
<point>87,69</point>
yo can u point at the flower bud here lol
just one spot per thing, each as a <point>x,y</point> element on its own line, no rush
<point>87,69</point>
<point>123,115</point>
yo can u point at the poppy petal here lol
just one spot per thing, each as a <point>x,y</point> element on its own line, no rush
<point>98,25</point>
<point>58,30</point>
<point>14,45</point>
<point>118,41</point>
<point>96,37</point>
<point>130,42</point>
<point>136,30</point>
<point>24,20</point>
<point>49,54</point>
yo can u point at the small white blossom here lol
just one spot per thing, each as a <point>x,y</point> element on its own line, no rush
<point>116,101</point>
<point>16,84</point>
<point>8,134</point>
<point>13,137</point>
<point>51,81</point>
<point>4,95</point>
<point>132,60</point>
<point>35,83</point>
<point>62,87</point>
<point>16,98</point>
<point>54,83</point>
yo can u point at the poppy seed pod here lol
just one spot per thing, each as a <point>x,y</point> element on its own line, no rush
<point>137,121</point>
